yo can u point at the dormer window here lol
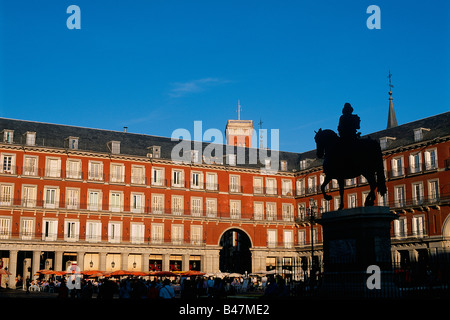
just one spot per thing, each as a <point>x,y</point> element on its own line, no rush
<point>8,136</point>
<point>154,152</point>
<point>72,143</point>
<point>384,142</point>
<point>231,159</point>
<point>283,165</point>
<point>114,147</point>
<point>418,134</point>
<point>30,138</point>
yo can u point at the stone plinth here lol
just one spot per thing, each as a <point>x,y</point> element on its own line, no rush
<point>353,240</point>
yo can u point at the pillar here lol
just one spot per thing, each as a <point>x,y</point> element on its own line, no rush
<point>124,261</point>
<point>80,260</point>
<point>36,262</point>
<point>145,262</point>
<point>165,262</point>
<point>102,261</point>
<point>58,260</point>
<point>12,268</point>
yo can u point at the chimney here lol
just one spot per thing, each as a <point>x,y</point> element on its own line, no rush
<point>125,129</point>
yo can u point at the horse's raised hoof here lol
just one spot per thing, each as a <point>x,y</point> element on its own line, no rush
<point>328,197</point>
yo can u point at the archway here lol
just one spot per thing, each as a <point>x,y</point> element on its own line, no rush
<point>235,255</point>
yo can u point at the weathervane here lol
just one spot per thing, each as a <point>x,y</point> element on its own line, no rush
<point>390,85</point>
<point>239,110</point>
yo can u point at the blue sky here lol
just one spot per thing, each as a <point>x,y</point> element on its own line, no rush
<point>156,66</point>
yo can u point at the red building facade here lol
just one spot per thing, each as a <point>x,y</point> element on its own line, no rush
<point>115,200</point>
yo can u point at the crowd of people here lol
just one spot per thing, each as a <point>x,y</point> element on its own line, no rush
<point>158,288</point>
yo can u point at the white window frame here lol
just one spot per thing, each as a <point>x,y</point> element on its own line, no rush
<point>211,207</point>
<point>53,192</point>
<point>27,228</point>
<point>73,169</point>
<point>137,174</point>
<point>431,159</point>
<point>196,180</point>
<point>114,232</point>
<point>177,234</point>
<point>288,211</point>
<point>418,225</point>
<point>8,163</point>
<point>288,239</point>
<point>417,193</point>
<point>94,205</point>
<point>196,235</point>
<point>177,205</point>
<point>157,233</point>
<point>137,233</point>
<point>137,202</point>
<point>271,186</point>
<point>258,210</point>
<point>178,178</point>
<point>433,190</point>
<point>258,185</point>
<point>6,194</point>
<point>157,203</point>
<point>286,187</point>
<point>235,183</point>
<point>93,231</point>
<point>30,165</point>
<point>272,238</point>
<point>5,227</point>
<point>72,198</point>
<point>115,201</point>
<point>95,170</point>
<point>211,181</point>
<point>117,173</point>
<point>29,198</point>
<point>271,211</point>
<point>49,229</point>
<point>53,167</point>
<point>235,209</point>
<point>71,230</point>
<point>196,206</point>
<point>157,177</point>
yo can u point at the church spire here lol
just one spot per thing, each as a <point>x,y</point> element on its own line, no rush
<point>392,120</point>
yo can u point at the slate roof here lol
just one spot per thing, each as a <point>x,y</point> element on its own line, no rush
<point>54,135</point>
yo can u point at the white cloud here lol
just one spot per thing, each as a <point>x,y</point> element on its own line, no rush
<point>183,88</point>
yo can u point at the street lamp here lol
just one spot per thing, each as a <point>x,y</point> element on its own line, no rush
<point>309,215</point>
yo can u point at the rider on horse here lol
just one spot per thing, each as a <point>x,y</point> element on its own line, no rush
<point>348,124</point>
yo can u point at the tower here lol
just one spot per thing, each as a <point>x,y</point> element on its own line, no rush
<point>392,120</point>
<point>239,132</point>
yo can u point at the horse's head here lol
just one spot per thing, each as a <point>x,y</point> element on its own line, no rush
<point>323,139</point>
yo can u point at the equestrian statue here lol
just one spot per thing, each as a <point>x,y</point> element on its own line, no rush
<point>349,156</point>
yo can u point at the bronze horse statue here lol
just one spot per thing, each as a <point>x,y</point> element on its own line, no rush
<point>347,159</point>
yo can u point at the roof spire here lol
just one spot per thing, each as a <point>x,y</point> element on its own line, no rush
<point>392,120</point>
<point>239,110</point>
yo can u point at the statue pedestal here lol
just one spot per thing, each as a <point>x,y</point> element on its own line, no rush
<point>353,240</point>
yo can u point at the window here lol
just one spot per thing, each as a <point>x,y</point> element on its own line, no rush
<point>29,196</point>
<point>115,201</point>
<point>286,187</point>
<point>325,205</point>
<point>114,147</point>
<point>211,208</point>
<point>417,225</point>
<point>288,212</point>
<point>301,211</point>
<point>417,196</point>
<point>415,163</point>
<point>137,202</point>
<point>271,186</point>
<point>6,194</point>
<point>30,166</point>
<point>157,177</point>
<point>114,232</point>
<point>430,159</point>
<point>322,179</point>
<point>178,178</point>
<point>53,168</point>
<point>177,234</point>
<point>8,136</point>
<point>352,200</point>
<point>271,211</point>
<point>257,185</point>
<point>235,209</point>
<point>196,235</point>
<point>71,230</point>
<point>137,175</point>
<point>235,183</point>
<point>94,200</point>
<point>312,185</point>
<point>211,181</point>
<point>95,171</point>
<point>72,198</point>
<point>27,231</point>
<point>157,233</point>
<point>283,165</point>
<point>5,228</point>
<point>50,230</point>
<point>177,205</point>
<point>397,167</point>
<point>383,201</point>
<point>72,143</point>
<point>196,207</point>
<point>51,196</point>
<point>301,237</point>
<point>157,203</point>
<point>288,239</point>
<point>197,180</point>
<point>337,202</point>
<point>314,236</point>
<point>137,233</point>
<point>400,229</point>
<point>117,172</point>
<point>271,238</point>
<point>231,159</point>
<point>399,196</point>
<point>93,231</point>
<point>8,163</point>
<point>30,138</point>
<point>300,187</point>
<point>258,210</point>
<point>433,191</point>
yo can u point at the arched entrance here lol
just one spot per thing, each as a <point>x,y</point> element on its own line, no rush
<point>235,255</point>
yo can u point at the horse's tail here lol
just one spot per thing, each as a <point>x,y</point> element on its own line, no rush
<point>381,179</point>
